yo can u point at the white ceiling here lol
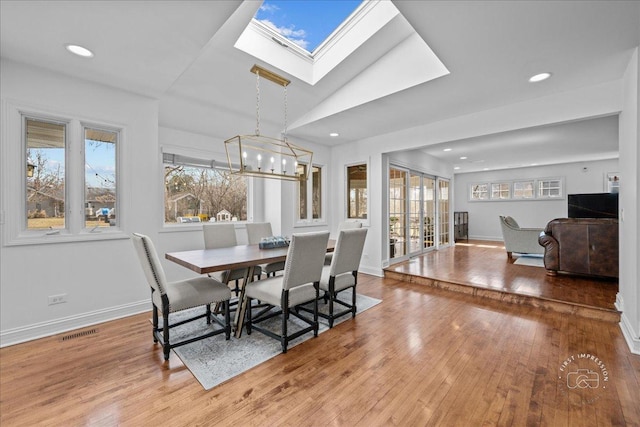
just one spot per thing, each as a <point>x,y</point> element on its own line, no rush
<point>181,52</point>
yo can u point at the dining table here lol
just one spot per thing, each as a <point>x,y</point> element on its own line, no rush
<point>205,261</point>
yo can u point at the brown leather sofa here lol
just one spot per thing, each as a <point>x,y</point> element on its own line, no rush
<point>581,246</point>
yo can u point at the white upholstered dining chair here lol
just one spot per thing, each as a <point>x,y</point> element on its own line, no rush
<point>345,225</point>
<point>223,235</point>
<point>299,284</point>
<point>255,232</point>
<point>171,297</point>
<point>342,273</point>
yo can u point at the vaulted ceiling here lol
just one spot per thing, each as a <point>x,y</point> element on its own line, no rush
<point>182,53</point>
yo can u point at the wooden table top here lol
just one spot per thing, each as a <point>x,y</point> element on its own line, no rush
<point>204,261</point>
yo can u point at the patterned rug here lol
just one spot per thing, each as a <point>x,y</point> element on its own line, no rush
<point>215,360</point>
<point>530,260</point>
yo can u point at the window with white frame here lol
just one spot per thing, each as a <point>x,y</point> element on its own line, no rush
<point>542,188</point>
<point>524,190</point>
<point>46,143</point>
<point>100,182</point>
<point>550,188</point>
<point>479,192</point>
<point>357,191</point>
<point>52,162</point>
<point>310,193</point>
<point>501,191</point>
<point>197,190</point>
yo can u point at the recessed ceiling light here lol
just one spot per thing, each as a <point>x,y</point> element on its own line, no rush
<point>457,167</point>
<point>539,77</point>
<point>447,149</point>
<point>79,50</point>
<point>485,169</point>
<point>463,158</point>
<point>334,134</point>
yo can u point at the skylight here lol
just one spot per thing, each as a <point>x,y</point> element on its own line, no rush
<point>306,23</point>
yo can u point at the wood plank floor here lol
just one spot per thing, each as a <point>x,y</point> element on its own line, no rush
<point>424,356</point>
<point>482,268</point>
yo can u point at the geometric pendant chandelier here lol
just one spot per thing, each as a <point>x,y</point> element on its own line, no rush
<point>263,156</point>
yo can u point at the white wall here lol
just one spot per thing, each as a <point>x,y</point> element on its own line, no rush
<point>582,177</point>
<point>628,300</point>
<point>102,278</point>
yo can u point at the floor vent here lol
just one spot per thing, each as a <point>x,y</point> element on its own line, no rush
<point>79,334</point>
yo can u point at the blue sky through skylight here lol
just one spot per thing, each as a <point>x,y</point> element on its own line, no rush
<point>306,23</point>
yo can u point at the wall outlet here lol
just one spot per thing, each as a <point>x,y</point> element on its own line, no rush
<point>57,299</point>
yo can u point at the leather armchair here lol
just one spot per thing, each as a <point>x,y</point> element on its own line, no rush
<point>586,246</point>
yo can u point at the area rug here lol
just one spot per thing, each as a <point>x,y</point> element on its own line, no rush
<point>215,360</point>
<point>530,260</point>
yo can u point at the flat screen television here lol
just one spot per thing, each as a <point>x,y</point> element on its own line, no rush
<point>595,205</point>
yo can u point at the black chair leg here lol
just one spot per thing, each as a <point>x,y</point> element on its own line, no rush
<point>227,321</point>
<point>155,323</point>
<point>165,334</point>
<point>283,337</point>
<point>315,311</point>
<point>353,303</point>
<point>248,317</point>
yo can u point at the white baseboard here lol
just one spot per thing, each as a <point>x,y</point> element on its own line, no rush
<point>627,332</point>
<point>57,326</point>
<point>630,336</point>
<point>490,238</point>
<point>371,271</point>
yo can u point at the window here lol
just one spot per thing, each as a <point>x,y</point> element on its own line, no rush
<point>100,147</point>
<point>523,190</point>
<point>58,151</point>
<point>357,191</point>
<point>550,188</point>
<point>480,192</point>
<point>197,190</point>
<point>311,192</point>
<point>543,188</point>
<point>307,24</point>
<point>46,144</point>
<point>501,191</point>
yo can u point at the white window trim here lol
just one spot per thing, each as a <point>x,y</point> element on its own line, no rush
<point>364,221</point>
<point>310,221</point>
<point>13,202</point>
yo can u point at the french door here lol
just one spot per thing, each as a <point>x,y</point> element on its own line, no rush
<point>418,213</point>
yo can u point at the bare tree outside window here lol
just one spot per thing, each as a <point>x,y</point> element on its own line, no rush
<point>45,198</point>
<point>204,193</point>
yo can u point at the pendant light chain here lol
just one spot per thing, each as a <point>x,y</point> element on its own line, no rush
<point>258,103</point>
<point>285,114</point>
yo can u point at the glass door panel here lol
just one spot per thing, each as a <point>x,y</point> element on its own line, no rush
<point>429,211</point>
<point>443,212</point>
<point>415,213</point>
<point>397,213</point>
